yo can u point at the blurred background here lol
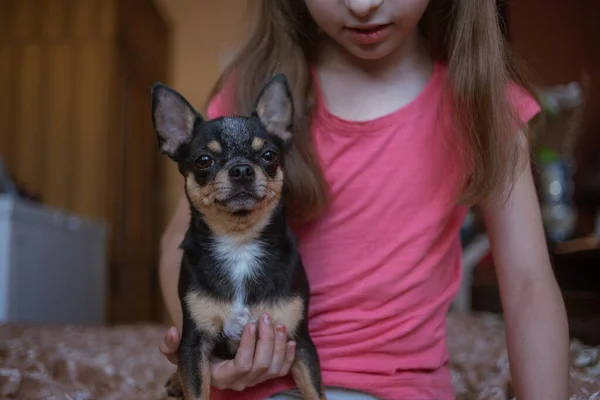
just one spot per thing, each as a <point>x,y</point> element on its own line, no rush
<point>77,142</point>
<point>86,195</point>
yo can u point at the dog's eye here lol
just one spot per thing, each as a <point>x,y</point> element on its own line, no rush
<point>270,156</point>
<point>204,162</point>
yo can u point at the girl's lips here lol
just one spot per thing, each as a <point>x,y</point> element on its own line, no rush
<point>369,34</point>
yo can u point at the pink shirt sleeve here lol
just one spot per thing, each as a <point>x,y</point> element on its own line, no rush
<point>523,103</point>
<point>219,105</point>
<point>216,107</point>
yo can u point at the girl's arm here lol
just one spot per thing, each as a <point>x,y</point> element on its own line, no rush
<point>170,259</point>
<point>536,323</point>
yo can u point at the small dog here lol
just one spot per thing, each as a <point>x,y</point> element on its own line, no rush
<point>239,255</point>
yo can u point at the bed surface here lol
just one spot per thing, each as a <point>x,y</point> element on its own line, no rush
<point>123,362</point>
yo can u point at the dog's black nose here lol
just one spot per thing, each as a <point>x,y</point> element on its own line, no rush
<point>241,173</point>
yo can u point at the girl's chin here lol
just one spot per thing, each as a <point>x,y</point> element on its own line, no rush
<point>375,52</point>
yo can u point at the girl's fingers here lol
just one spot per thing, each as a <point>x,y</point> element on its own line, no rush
<point>244,357</point>
<point>279,351</point>
<point>290,355</point>
<point>264,347</point>
<point>279,355</point>
<point>232,374</point>
<point>170,344</point>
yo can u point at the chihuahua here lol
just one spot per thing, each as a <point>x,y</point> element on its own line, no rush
<point>240,258</point>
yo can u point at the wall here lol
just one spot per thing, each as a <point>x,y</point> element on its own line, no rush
<point>75,78</point>
<point>203,32</point>
<point>54,72</point>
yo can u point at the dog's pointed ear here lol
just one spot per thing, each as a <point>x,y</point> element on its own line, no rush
<point>275,107</point>
<point>173,118</point>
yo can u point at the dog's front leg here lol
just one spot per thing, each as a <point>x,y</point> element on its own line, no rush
<point>194,364</point>
<point>306,370</point>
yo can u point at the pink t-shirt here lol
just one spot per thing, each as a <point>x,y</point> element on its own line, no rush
<point>384,261</point>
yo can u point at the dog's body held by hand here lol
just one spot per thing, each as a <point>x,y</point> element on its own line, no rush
<point>239,255</point>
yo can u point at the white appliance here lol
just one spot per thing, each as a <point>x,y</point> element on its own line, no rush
<point>53,265</point>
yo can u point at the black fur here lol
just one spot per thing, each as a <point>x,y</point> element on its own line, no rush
<point>281,274</point>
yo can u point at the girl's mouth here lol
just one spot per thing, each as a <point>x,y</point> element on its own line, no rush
<point>369,34</point>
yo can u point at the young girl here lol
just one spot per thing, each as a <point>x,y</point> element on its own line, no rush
<point>407,112</point>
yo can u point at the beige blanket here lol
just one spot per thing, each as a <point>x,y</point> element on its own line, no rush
<point>123,362</point>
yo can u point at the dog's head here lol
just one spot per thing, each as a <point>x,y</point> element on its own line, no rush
<point>232,165</point>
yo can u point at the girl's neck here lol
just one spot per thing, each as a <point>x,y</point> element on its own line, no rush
<point>361,90</point>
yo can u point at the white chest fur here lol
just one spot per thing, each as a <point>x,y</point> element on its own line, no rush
<point>240,262</point>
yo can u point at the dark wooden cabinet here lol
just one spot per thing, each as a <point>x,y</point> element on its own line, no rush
<point>75,79</point>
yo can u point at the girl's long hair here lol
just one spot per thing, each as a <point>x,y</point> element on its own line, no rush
<point>464,34</point>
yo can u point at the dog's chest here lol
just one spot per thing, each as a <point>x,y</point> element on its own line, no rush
<point>238,263</point>
<point>214,316</point>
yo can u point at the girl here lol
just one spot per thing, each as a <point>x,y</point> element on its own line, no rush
<point>407,112</point>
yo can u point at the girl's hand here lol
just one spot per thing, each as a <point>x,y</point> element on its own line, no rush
<point>255,361</point>
<point>170,344</point>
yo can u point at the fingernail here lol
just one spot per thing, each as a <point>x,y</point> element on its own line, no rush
<point>293,346</point>
<point>252,328</point>
<point>280,329</point>
<point>266,319</point>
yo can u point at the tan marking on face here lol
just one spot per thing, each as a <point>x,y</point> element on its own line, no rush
<point>208,314</point>
<point>257,143</point>
<point>276,184</point>
<point>301,375</point>
<point>271,187</point>
<point>203,197</point>
<point>215,147</point>
<point>287,312</point>
<point>221,221</point>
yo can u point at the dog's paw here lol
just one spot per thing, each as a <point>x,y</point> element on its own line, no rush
<point>234,326</point>
<point>173,388</point>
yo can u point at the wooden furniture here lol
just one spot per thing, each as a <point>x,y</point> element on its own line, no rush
<point>75,78</point>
